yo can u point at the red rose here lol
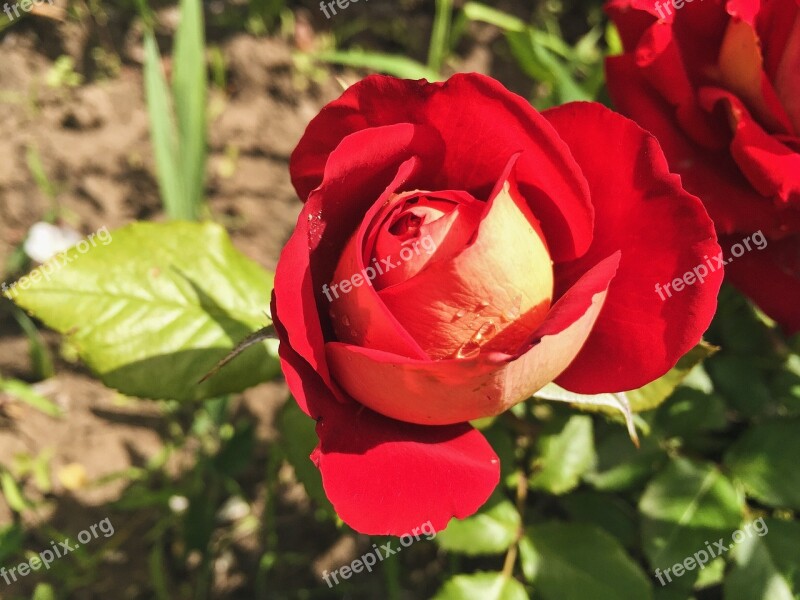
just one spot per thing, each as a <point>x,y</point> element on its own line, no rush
<point>508,249</point>
<point>718,83</point>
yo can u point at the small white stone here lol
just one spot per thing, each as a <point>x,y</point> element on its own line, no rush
<point>44,241</point>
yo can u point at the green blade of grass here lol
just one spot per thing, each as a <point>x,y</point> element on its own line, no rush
<point>440,35</point>
<point>189,88</point>
<point>162,131</point>
<point>391,64</point>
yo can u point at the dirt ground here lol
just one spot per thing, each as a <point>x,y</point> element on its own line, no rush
<point>94,144</point>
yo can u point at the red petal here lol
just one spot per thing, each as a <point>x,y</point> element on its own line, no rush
<point>771,277</point>
<point>713,176</point>
<point>662,232</point>
<point>772,168</point>
<point>455,390</point>
<point>385,477</point>
<point>483,124</point>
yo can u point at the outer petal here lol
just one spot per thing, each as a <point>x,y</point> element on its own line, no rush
<point>358,171</point>
<point>771,277</point>
<point>662,232</point>
<point>713,176</point>
<point>771,167</point>
<point>452,391</point>
<point>483,124</point>
<point>385,477</point>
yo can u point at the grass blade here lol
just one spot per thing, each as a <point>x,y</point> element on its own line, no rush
<point>189,88</point>
<point>162,130</point>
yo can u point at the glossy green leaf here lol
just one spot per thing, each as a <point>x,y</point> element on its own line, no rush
<point>564,456</point>
<point>622,466</point>
<point>653,394</point>
<point>157,306</point>
<point>576,561</point>
<point>765,461</point>
<point>491,531</point>
<point>605,511</point>
<point>686,506</point>
<point>766,564</point>
<point>613,401</point>
<point>481,586</point>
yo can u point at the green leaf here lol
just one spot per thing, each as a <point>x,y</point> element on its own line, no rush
<point>391,64</point>
<point>605,511</point>
<point>154,309</point>
<point>44,591</point>
<point>576,561</point>
<point>189,88</point>
<point>614,401</point>
<point>642,399</point>
<point>767,565</point>
<point>621,466</point>
<point>11,538</point>
<point>481,586</point>
<point>564,456</point>
<point>686,506</point>
<point>491,531</point>
<point>26,394</point>
<point>765,461</point>
<point>653,394</point>
<point>298,440</point>
<point>743,384</point>
<point>12,493</point>
<point>689,411</point>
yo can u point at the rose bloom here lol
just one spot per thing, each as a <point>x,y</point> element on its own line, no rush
<point>718,83</point>
<point>456,252</point>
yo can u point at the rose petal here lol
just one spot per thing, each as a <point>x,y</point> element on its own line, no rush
<point>457,390</point>
<point>772,168</point>
<point>385,477</point>
<point>483,124</point>
<point>771,277</point>
<point>713,176</point>
<point>498,288</point>
<point>661,231</point>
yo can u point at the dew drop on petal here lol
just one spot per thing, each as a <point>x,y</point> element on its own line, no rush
<point>473,346</point>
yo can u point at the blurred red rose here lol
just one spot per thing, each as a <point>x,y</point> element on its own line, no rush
<point>718,83</point>
<point>457,251</point>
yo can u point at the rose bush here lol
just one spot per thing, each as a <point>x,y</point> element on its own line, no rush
<point>718,83</point>
<point>507,249</point>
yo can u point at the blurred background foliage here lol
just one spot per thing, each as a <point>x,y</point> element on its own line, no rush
<point>222,510</point>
